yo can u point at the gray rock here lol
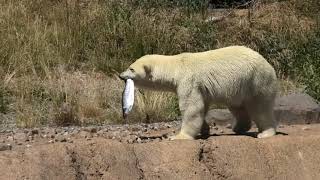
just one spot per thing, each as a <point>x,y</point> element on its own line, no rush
<point>305,128</point>
<point>61,138</point>
<point>167,125</point>
<point>90,129</point>
<point>5,147</point>
<point>85,134</point>
<point>297,102</point>
<point>34,131</point>
<point>49,132</point>
<point>10,138</point>
<point>130,141</point>
<point>229,126</point>
<point>28,145</point>
<point>20,137</point>
<point>100,132</point>
<point>58,130</point>
<point>297,109</point>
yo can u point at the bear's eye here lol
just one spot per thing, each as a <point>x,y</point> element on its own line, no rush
<point>131,69</point>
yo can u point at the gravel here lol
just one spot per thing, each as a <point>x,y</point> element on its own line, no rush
<point>128,133</point>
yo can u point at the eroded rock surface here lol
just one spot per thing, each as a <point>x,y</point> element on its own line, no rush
<point>292,154</point>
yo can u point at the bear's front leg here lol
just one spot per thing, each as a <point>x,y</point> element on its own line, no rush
<point>192,107</point>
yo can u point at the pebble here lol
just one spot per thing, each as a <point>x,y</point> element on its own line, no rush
<point>305,128</point>
<point>100,132</point>
<point>35,131</point>
<point>5,147</point>
<point>85,134</point>
<point>56,131</point>
<point>28,145</point>
<point>90,129</point>
<point>20,137</point>
<point>130,141</point>
<point>10,138</point>
<point>66,133</point>
<point>124,133</point>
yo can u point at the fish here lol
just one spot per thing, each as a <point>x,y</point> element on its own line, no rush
<point>127,98</point>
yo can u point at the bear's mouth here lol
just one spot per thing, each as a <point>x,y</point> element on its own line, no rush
<point>122,77</point>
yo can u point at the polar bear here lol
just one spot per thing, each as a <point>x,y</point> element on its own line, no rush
<point>236,76</point>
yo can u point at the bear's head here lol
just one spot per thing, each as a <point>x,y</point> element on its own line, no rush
<point>139,72</point>
<point>151,72</point>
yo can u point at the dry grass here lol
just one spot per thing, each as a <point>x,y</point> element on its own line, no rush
<point>88,39</point>
<point>58,58</point>
<point>156,106</point>
<point>286,33</point>
<point>86,35</point>
<point>77,98</point>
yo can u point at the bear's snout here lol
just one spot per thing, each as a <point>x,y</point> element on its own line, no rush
<point>126,75</point>
<point>122,76</point>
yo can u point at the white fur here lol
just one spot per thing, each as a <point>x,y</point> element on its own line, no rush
<point>235,76</point>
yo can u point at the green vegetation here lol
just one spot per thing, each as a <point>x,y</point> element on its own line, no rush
<point>58,58</point>
<point>286,33</point>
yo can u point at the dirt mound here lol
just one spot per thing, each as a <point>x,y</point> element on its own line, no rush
<point>292,154</point>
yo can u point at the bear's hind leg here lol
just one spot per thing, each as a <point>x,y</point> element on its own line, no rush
<point>242,121</point>
<point>261,112</point>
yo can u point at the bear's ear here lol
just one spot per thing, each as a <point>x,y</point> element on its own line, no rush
<point>147,70</point>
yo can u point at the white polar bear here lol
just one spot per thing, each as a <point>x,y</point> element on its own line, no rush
<point>235,76</point>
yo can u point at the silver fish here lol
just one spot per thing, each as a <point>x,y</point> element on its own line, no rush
<point>127,98</point>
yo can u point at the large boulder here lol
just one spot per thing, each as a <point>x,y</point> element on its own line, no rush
<point>297,108</point>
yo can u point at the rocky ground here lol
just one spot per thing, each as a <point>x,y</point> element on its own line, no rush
<point>143,151</point>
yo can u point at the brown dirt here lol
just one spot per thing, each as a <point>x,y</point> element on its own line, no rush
<point>292,154</point>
